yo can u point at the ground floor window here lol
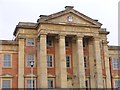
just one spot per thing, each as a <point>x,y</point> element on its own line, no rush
<point>30,83</point>
<point>6,84</point>
<point>117,83</point>
<point>51,83</point>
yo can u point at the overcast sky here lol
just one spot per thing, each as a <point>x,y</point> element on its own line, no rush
<point>14,11</point>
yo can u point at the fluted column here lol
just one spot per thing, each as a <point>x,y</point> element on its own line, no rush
<point>62,62</point>
<point>42,64</point>
<point>80,62</point>
<point>21,64</point>
<point>107,68</point>
<point>99,76</point>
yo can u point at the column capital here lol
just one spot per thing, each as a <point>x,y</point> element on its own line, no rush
<point>96,38</point>
<point>79,36</point>
<point>105,42</point>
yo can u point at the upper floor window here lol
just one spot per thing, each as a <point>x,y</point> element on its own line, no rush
<point>116,64</point>
<point>49,60</point>
<point>67,61</point>
<point>50,84</point>
<point>29,59</point>
<point>7,60</point>
<point>6,84</point>
<point>67,44</point>
<point>49,42</point>
<point>30,42</point>
<point>117,83</point>
<point>85,62</point>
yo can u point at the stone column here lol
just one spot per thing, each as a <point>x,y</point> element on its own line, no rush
<point>98,68</point>
<point>42,64</point>
<point>107,68</point>
<point>62,62</point>
<point>80,62</point>
<point>91,64</point>
<point>21,63</point>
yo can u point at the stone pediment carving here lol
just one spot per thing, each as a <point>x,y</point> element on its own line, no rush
<point>69,16</point>
<point>6,76</point>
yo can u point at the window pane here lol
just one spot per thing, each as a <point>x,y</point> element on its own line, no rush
<point>117,84</point>
<point>7,62</point>
<point>6,84</point>
<point>49,42</point>
<point>115,63</point>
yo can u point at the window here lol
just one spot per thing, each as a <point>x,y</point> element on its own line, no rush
<point>30,42</point>
<point>30,57</point>
<point>116,64</point>
<point>49,42</point>
<point>67,61</point>
<point>85,62</point>
<point>70,18</point>
<point>7,60</point>
<point>50,84</point>
<point>67,43</point>
<point>6,84</point>
<point>86,84</point>
<point>30,84</point>
<point>49,60</point>
<point>117,83</point>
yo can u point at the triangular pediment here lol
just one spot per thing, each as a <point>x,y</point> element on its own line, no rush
<point>69,16</point>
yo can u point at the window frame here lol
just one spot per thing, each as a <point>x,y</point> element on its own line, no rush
<point>3,55</point>
<point>85,63</point>
<point>49,61</point>
<point>34,79</point>
<point>69,61</point>
<point>30,60</point>
<point>5,79</point>
<point>27,44</point>
<point>115,64</point>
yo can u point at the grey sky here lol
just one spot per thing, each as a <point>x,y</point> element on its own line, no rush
<point>14,11</point>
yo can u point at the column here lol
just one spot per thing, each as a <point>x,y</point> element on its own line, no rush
<point>21,64</point>
<point>80,62</point>
<point>62,62</point>
<point>91,64</point>
<point>42,64</point>
<point>107,68</point>
<point>98,71</point>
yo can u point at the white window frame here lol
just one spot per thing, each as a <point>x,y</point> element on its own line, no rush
<point>29,44</point>
<point>50,55</point>
<point>70,19</point>
<point>30,60</point>
<point>115,64</point>
<point>10,60</point>
<point>69,61</point>
<point>52,79</point>
<point>6,80</point>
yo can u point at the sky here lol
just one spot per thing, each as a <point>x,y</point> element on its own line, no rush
<point>14,11</point>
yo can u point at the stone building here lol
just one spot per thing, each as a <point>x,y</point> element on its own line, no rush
<point>66,49</point>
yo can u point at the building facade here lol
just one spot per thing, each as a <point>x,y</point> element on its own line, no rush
<point>66,49</point>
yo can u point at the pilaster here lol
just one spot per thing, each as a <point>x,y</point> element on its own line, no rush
<point>21,63</point>
<point>107,68</point>
<point>98,68</point>
<point>80,62</point>
<point>42,63</point>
